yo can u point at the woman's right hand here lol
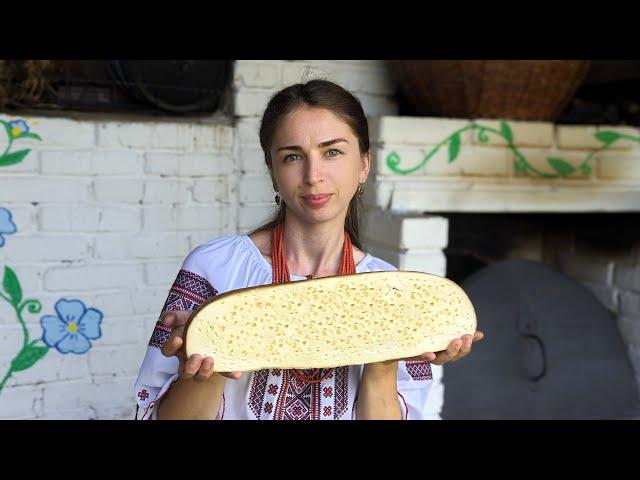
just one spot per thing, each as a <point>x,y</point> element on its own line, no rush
<point>196,366</point>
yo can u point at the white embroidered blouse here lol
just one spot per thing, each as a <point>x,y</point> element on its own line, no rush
<point>232,262</point>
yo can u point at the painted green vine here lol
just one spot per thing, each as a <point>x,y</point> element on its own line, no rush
<point>30,353</point>
<point>522,165</point>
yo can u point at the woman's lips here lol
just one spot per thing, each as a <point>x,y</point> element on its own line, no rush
<point>316,201</point>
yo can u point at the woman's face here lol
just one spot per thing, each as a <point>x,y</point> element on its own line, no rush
<point>317,164</point>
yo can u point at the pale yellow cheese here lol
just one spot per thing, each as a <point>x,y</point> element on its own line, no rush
<point>330,321</point>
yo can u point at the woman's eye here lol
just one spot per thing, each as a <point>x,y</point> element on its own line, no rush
<point>333,152</point>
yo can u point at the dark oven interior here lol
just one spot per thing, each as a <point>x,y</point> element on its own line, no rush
<point>558,296</point>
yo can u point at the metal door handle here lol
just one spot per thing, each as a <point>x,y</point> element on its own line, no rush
<point>543,354</point>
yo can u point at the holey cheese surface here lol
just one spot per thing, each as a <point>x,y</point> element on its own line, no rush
<point>330,321</point>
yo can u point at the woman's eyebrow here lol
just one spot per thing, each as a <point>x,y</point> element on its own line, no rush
<point>331,142</point>
<point>321,145</point>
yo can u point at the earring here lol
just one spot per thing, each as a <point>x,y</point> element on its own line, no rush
<point>360,189</point>
<point>277,198</point>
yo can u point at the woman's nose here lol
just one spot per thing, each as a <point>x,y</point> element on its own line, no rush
<point>313,169</point>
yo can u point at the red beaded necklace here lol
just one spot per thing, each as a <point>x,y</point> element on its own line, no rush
<point>280,271</point>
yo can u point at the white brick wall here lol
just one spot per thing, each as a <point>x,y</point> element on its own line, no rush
<point>614,279</point>
<point>484,177</point>
<point>122,190</point>
<point>106,212</point>
<point>36,188</point>
<point>83,218</point>
<point>20,402</point>
<point>48,248</point>
<point>405,232</point>
<point>90,162</point>
<point>627,275</point>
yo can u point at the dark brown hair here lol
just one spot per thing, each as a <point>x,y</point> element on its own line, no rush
<point>321,94</point>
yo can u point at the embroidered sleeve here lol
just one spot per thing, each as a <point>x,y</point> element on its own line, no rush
<point>158,372</point>
<point>418,370</point>
<point>415,379</point>
<point>187,292</point>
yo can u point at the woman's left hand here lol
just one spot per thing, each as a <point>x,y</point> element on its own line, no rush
<point>457,349</point>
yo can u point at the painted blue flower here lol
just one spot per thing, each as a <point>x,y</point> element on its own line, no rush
<point>7,226</point>
<point>18,128</point>
<point>71,330</point>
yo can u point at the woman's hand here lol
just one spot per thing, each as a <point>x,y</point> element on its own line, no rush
<point>196,366</point>
<point>458,348</point>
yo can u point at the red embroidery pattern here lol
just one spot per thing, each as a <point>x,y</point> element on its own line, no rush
<point>256,393</point>
<point>160,335</point>
<point>342,391</point>
<point>143,395</point>
<point>188,291</point>
<point>298,400</point>
<point>419,370</point>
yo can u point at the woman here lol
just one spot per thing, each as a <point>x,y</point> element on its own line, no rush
<point>316,144</point>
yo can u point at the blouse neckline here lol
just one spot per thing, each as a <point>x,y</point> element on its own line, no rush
<point>263,261</point>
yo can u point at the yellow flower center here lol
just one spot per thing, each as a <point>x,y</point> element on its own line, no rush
<point>72,327</point>
<point>15,131</point>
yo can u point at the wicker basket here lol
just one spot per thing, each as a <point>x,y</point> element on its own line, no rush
<point>510,89</point>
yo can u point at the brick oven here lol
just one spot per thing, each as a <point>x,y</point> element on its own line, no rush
<point>557,203</point>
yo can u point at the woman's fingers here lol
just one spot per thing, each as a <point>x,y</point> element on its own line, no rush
<point>449,354</point>
<point>465,348</point>
<point>456,349</point>
<point>192,365</point>
<point>205,371</point>
<point>201,369</point>
<point>172,346</point>
<point>168,319</point>
<point>425,357</point>
<point>175,318</point>
<point>196,366</point>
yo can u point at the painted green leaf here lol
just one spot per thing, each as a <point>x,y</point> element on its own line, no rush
<point>586,169</point>
<point>506,132</point>
<point>454,147</point>
<point>11,285</point>
<point>13,158</point>
<point>521,166</point>
<point>482,136</point>
<point>393,159</point>
<point>27,357</point>
<point>561,166</point>
<point>35,136</point>
<point>607,136</point>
